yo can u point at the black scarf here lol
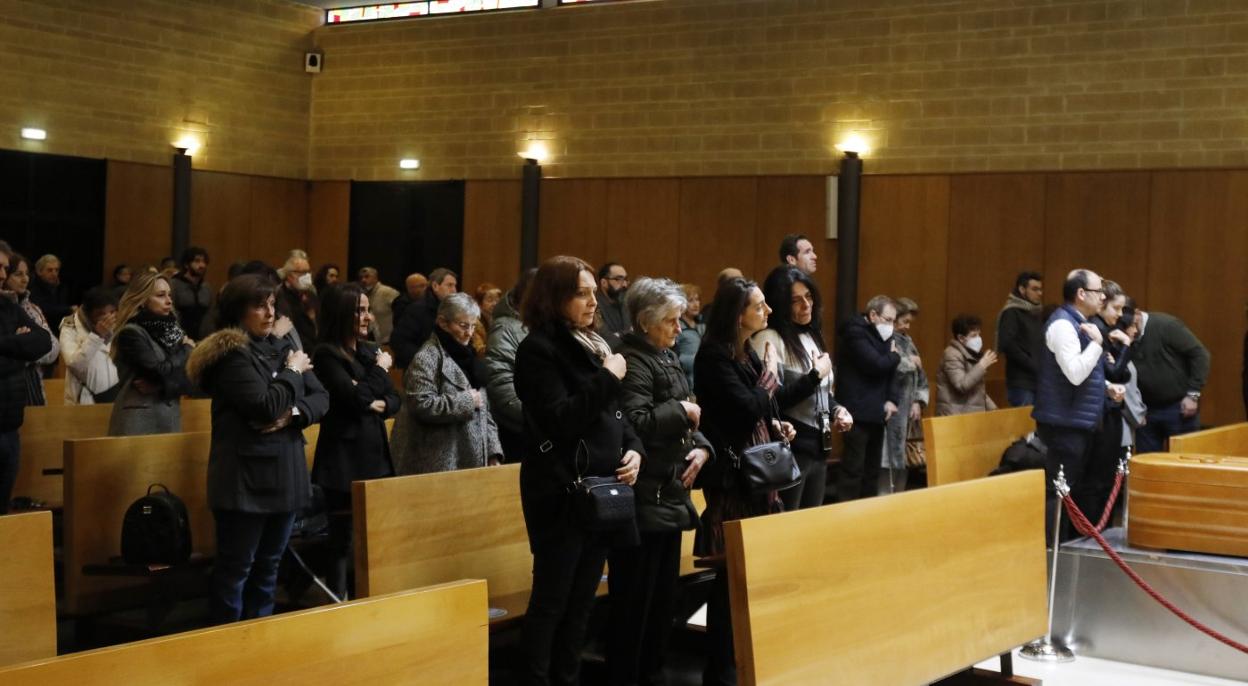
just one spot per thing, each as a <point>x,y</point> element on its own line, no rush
<point>163,329</point>
<point>462,355</point>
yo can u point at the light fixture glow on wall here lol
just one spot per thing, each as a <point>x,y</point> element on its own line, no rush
<point>854,143</point>
<point>34,134</point>
<point>537,151</point>
<point>409,163</point>
<point>188,145</point>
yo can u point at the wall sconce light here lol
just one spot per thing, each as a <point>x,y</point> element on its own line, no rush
<point>409,163</point>
<point>32,134</point>
<point>187,145</point>
<point>537,151</point>
<point>854,145</point>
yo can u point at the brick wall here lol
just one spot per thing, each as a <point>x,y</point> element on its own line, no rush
<point>123,80</point>
<point>702,87</point>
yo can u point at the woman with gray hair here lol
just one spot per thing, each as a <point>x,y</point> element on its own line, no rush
<point>656,399</point>
<point>910,384</point>
<point>445,423</point>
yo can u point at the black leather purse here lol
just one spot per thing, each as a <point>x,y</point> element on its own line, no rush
<point>601,503</point>
<point>767,466</point>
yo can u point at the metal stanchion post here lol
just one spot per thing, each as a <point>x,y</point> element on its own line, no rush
<point>1048,649</point>
<point>1126,494</point>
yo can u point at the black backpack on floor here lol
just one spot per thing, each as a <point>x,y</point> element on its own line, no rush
<point>156,530</point>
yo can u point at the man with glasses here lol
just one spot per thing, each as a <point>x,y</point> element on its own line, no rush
<point>293,296</point>
<point>612,283</point>
<point>1071,390</point>
<point>866,361</point>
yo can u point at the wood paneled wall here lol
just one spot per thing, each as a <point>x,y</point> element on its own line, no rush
<point>1176,240</point>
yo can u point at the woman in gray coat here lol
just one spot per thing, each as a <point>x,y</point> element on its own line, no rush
<point>445,423</point>
<point>913,394</point>
<point>150,350</point>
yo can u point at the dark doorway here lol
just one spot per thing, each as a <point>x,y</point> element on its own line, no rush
<point>55,204</point>
<point>405,227</point>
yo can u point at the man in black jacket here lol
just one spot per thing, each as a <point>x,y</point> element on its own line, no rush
<point>1020,338</point>
<point>47,291</point>
<point>866,359</point>
<point>293,296</point>
<point>417,323</point>
<point>21,341</point>
<point>1172,366</point>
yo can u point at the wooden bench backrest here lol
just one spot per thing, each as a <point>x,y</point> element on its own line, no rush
<point>47,427</point>
<point>412,531</point>
<point>430,636</point>
<point>54,391</point>
<point>27,589</point>
<point>903,589</point>
<point>103,476</point>
<point>969,446</point>
<point>1223,440</point>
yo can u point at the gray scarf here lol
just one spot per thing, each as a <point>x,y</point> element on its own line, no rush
<point>591,341</point>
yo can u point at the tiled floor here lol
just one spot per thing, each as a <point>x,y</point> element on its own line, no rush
<point>1089,671</point>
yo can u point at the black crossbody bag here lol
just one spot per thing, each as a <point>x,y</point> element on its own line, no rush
<point>767,466</point>
<point>601,503</point>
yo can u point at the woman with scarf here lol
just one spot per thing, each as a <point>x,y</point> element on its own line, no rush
<point>150,350</point>
<point>18,283</point>
<point>446,422</point>
<point>570,385</point>
<point>738,392</point>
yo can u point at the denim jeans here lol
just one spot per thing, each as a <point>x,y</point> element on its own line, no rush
<point>1018,397</point>
<point>249,548</point>
<point>1164,422</point>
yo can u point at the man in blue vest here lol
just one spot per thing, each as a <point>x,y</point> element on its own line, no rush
<point>1071,390</point>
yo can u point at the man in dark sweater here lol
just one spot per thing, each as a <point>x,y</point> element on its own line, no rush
<point>1172,366</point>
<point>866,359</point>
<point>1020,338</point>
<point>612,284</point>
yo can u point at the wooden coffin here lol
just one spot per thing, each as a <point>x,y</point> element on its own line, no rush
<point>1192,502</point>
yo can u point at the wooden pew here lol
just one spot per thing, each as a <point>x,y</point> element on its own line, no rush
<point>103,476</point>
<point>969,446</point>
<point>27,589</point>
<point>417,530</point>
<point>431,636</point>
<point>413,531</point>
<point>46,428</point>
<point>1231,439</point>
<point>899,590</point>
<point>54,391</point>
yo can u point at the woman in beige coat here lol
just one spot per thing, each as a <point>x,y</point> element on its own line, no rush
<point>960,379</point>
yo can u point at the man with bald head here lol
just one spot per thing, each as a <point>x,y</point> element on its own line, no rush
<point>414,288</point>
<point>1071,390</point>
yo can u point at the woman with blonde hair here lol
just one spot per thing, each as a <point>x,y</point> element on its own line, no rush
<point>150,350</point>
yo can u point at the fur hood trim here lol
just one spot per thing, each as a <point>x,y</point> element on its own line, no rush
<point>212,350</point>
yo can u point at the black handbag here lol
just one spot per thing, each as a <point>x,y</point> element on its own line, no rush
<point>601,503</point>
<point>767,466</point>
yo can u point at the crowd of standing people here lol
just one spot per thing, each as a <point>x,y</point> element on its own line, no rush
<point>576,372</point>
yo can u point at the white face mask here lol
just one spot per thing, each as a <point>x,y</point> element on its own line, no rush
<point>975,344</point>
<point>886,330</point>
<point>305,282</point>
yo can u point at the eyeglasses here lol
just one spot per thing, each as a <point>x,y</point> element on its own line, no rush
<point>617,279</point>
<point>1094,290</point>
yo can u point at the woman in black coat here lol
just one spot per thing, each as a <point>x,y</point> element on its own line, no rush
<point>569,383</point>
<point>263,395</point>
<point>352,444</point>
<point>737,392</point>
<point>657,401</point>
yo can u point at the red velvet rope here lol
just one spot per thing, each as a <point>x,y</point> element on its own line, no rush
<point>1085,527</point>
